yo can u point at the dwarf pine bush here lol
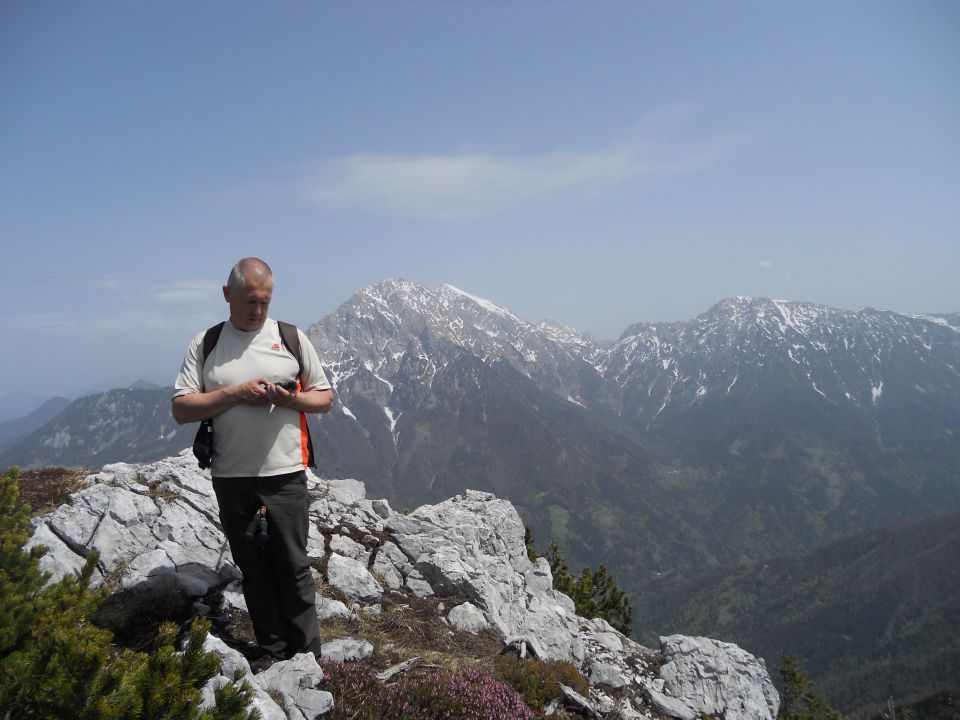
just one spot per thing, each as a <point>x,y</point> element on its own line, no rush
<point>55,664</point>
<point>538,681</point>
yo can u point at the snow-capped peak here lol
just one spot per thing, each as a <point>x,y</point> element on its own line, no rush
<point>448,290</point>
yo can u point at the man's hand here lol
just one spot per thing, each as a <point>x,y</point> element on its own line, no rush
<point>276,395</point>
<point>203,406</point>
<point>253,392</point>
<point>305,401</point>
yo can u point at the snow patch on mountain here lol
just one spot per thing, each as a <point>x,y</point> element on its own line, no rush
<point>403,334</point>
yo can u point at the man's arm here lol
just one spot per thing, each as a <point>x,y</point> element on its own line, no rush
<point>194,407</point>
<point>308,401</point>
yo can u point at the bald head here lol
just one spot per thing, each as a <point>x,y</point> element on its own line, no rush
<point>249,270</point>
<point>248,291</point>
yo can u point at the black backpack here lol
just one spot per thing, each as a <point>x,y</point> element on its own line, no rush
<point>203,442</point>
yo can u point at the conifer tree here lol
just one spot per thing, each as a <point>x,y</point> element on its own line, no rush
<point>801,701</point>
<point>55,664</point>
<point>595,594</point>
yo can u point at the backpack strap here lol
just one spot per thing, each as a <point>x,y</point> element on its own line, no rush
<point>291,338</point>
<point>288,336</point>
<point>210,338</point>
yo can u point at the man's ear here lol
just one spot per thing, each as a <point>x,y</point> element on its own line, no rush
<point>226,293</point>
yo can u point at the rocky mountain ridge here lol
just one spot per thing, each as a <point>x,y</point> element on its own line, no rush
<point>836,356</point>
<point>679,362</point>
<point>12,430</point>
<point>156,525</point>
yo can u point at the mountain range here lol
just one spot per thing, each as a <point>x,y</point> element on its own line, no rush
<point>759,430</point>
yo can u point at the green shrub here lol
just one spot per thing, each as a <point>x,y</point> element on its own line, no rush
<point>54,663</point>
<point>538,681</point>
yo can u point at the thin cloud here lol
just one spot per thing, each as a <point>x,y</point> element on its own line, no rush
<point>186,293</point>
<point>474,184</point>
<point>162,310</point>
<point>766,264</point>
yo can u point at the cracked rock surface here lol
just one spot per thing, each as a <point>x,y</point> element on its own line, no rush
<point>158,523</point>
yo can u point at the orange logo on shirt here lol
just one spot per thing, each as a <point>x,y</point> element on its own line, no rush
<point>276,346</point>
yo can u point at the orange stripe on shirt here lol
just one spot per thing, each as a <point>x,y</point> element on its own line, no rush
<point>304,441</point>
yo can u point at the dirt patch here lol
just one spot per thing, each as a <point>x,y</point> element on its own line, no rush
<point>46,489</point>
<point>134,616</point>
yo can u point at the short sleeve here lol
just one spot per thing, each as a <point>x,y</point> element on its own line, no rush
<point>188,380</point>
<point>313,376</point>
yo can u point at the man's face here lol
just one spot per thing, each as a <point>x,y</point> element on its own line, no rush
<point>249,304</point>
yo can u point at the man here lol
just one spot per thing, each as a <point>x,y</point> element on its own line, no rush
<point>260,452</point>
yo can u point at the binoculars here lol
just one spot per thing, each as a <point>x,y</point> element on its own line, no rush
<point>256,531</point>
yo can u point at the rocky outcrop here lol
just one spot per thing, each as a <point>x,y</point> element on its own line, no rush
<point>472,547</point>
<point>715,677</point>
<point>158,523</point>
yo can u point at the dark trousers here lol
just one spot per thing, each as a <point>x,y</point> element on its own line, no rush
<point>277,583</point>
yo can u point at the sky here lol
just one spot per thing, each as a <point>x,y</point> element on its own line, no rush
<point>598,164</point>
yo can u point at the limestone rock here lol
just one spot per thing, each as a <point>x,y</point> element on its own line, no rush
<point>391,577</point>
<point>418,585</point>
<point>346,492</point>
<point>233,598</point>
<point>718,678</point>
<point>627,711</point>
<point>539,577</point>
<point>609,675</point>
<point>671,706</point>
<point>343,545</point>
<point>353,579</point>
<point>149,523</point>
<point>295,680</point>
<point>390,553</point>
<point>609,641</point>
<point>578,701</point>
<point>328,608</point>
<point>60,560</point>
<point>472,546</point>
<point>468,618</point>
<point>382,508</point>
<point>346,650</point>
<point>315,544</point>
<point>230,662</point>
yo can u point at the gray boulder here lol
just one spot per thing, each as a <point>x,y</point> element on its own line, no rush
<point>342,545</point>
<point>472,546</point>
<point>230,662</point>
<point>353,579</point>
<point>468,618</point>
<point>718,678</point>
<point>295,680</point>
<point>150,524</point>
<point>60,559</point>
<point>346,650</point>
<point>328,608</point>
<point>609,675</point>
<point>346,492</point>
<point>670,706</point>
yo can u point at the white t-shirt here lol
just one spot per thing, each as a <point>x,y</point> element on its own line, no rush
<point>253,440</point>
